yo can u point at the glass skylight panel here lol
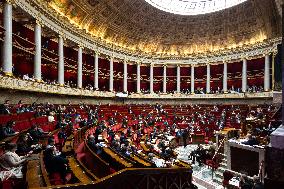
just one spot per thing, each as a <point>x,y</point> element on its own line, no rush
<point>193,7</point>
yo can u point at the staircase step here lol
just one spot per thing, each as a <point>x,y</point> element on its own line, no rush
<point>223,164</point>
<point>218,180</point>
<point>221,169</point>
<point>219,175</point>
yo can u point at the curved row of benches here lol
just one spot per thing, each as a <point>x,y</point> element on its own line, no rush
<point>94,171</point>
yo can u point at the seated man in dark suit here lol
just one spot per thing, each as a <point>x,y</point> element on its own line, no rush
<point>123,138</point>
<point>4,108</point>
<point>251,140</point>
<point>37,133</point>
<point>93,145</point>
<point>98,131</point>
<point>8,130</point>
<point>185,134</point>
<point>56,164</point>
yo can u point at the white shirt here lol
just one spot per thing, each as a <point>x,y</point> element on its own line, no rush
<point>7,161</point>
<point>50,118</point>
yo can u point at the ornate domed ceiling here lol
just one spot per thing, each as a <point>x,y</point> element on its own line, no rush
<point>137,26</point>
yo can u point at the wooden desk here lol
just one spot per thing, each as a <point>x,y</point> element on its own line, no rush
<point>181,163</point>
<point>78,171</point>
<point>95,163</point>
<point>43,171</point>
<point>117,157</point>
<point>226,131</point>
<point>144,147</point>
<point>34,177</point>
<point>141,160</point>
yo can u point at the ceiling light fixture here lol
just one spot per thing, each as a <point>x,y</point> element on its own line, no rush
<point>193,7</point>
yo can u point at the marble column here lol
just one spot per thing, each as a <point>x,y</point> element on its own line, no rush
<point>138,78</point>
<point>152,78</point>
<point>96,76</point>
<point>8,42</point>
<point>125,76</point>
<point>244,76</point>
<point>37,57</point>
<point>225,78</point>
<point>208,75</point>
<point>80,68</point>
<point>267,73</point>
<point>111,74</point>
<point>178,78</point>
<point>165,79</point>
<point>282,70</point>
<point>192,80</point>
<point>61,61</point>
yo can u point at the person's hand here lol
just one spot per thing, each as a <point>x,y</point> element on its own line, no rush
<point>29,153</point>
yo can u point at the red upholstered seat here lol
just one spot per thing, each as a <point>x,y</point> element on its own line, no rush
<point>212,164</point>
<point>111,170</point>
<point>60,143</point>
<point>7,184</point>
<point>12,183</point>
<point>215,162</point>
<point>80,148</point>
<point>55,179</point>
<point>45,127</point>
<point>81,156</point>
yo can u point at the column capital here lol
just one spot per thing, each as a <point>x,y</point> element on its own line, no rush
<point>243,58</point>
<point>125,60</point>
<point>274,54</point>
<point>97,52</point>
<point>138,63</point>
<point>61,34</point>
<point>80,45</point>
<point>11,2</point>
<point>10,74</point>
<point>178,65</point>
<point>39,22</point>
<point>267,54</point>
<point>152,64</point>
<point>274,51</point>
<point>110,58</point>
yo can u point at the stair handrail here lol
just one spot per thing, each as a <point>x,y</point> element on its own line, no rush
<point>260,171</point>
<point>216,152</point>
<point>274,114</point>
